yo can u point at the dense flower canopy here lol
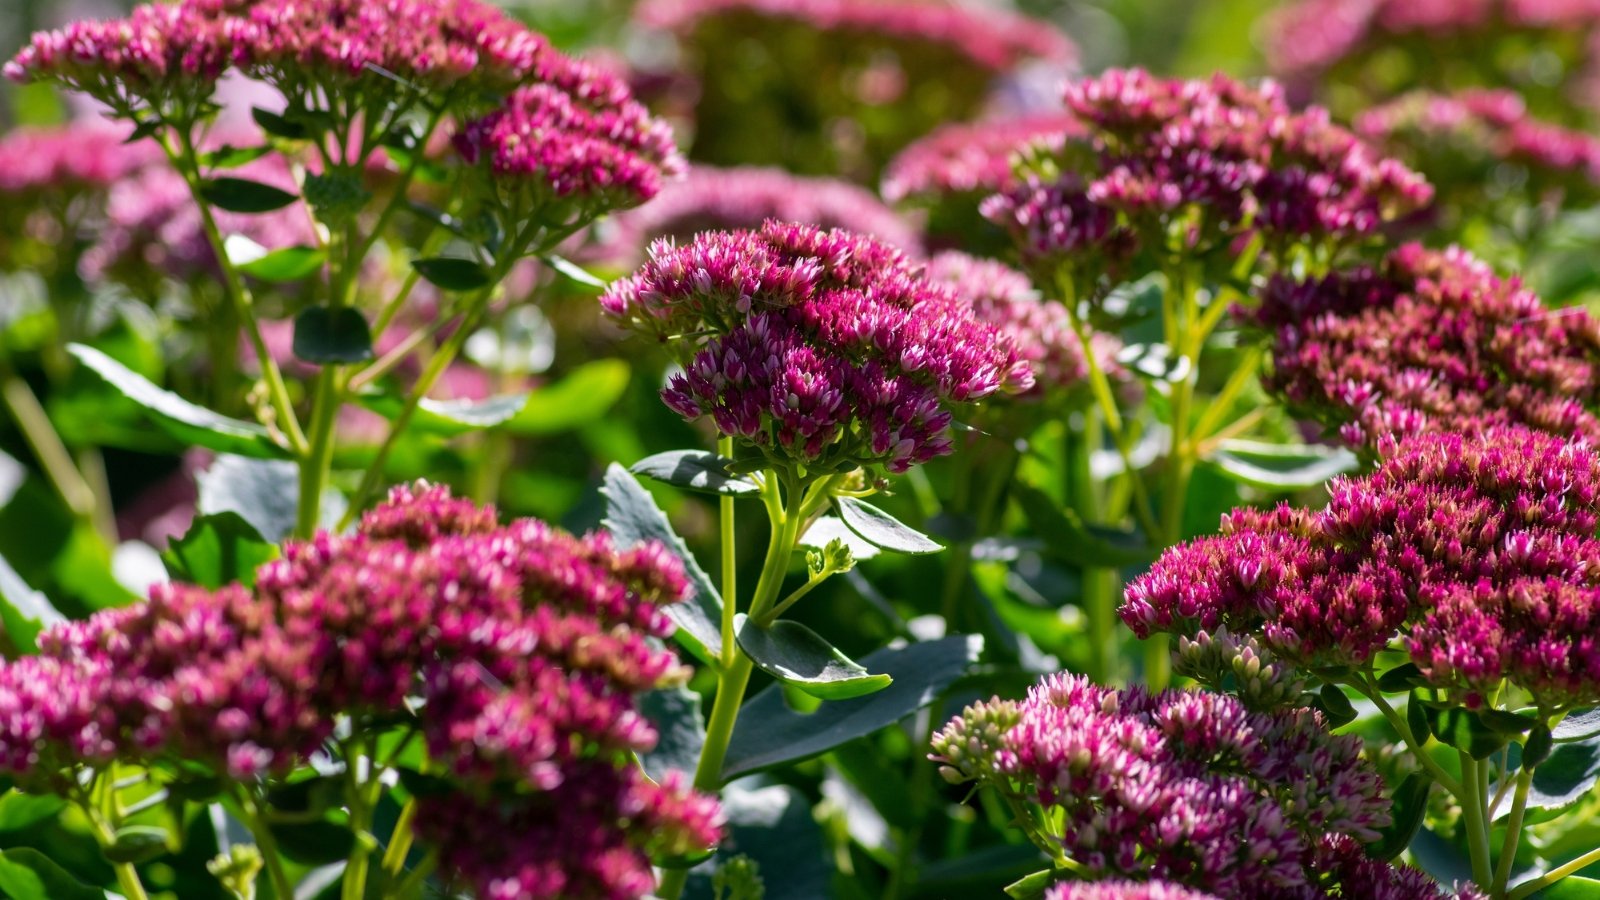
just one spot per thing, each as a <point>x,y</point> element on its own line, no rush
<point>526,645</point>
<point>824,347</point>
<point>1430,341</point>
<point>1203,164</point>
<point>1189,788</point>
<point>970,157</point>
<point>992,39</point>
<point>710,198</point>
<point>1478,553</point>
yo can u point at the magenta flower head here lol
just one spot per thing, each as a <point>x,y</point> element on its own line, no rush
<point>1213,167</point>
<point>710,198</point>
<point>1041,331</point>
<point>163,60</point>
<point>1185,787</point>
<point>820,348</point>
<point>516,649</point>
<point>1476,554</point>
<point>1125,890</point>
<point>1429,341</point>
<point>1481,147</point>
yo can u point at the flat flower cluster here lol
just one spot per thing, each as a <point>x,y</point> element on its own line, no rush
<point>1429,341</point>
<point>1460,139</point>
<point>526,646</point>
<point>823,348</point>
<point>710,198</point>
<point>1476,554</point>
<point>1185,787</point>
<point>970,157</point>
<point>994,40</point>
<point>1041,331</point>
<point>1201,165</point>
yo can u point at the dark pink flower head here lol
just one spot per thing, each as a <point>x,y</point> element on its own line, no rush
<point>576,144</point>
<point>1207,164</point>
<point>824,347</point>
<point>1040,330</point>
<point>991,39</point>
<point>1125,890</point>
<point>971,157</point>
<point>1182,786</point>
<point>525,645</point>
<point>164,57</point>
<point>1480,548</point>
<point>1430,341</point>
<point>710,198</point>
<point>1482,142</point>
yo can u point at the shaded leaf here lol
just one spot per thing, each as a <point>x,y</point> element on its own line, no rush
<point>1409,807</point>
<point>279,125</point>
<point>449,418</point>
<point>183,420</point>
<point>1282,467</point>
<point>27,874</point>
<point>796,655</point>
<point>585,395</point>
<point>681,729</point>
<point>230,157</point>
<point>24,612</point>
<point>1463,730</point>
<point>633,517</point>
<point>1572,887</point>
<point>1069,539</point>
<point>770,734</point>
<point>694,470</point>
<point>137,844</point>
<point>881,529</point>
<point>323,335</point>
<point>241,195</point>
<point>1566,776</point>
<point>1577,726</point>
<point>19,811</point>
<point>263,492</point>
<point>775,828</point>
<point>1401,678</point>
<point>452,273</point>
<point>218,550</point>
<point>319,842</point>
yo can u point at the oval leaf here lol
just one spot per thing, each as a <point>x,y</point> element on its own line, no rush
<point>1572,887</point>
<point>575,272</point>
<point>827,529</point>
<point>285,264</point>
<point>633,517</point>
<point>449,418</point>
<point>331,336</point>
<point>1566,776</point>
<point>694,470</point>
<point>183,420</point>
<point>218,550</point>
<point>1069,539</point>
<point>1577,726</point>
<point>24,612</point>
<point>1282,467</point>
<point>453,273</point>
<point>1401,678</point>
<point>1035,886</point>
<point>794,654</point>
<point>771,734</point>
<point>883,530</point>
<point>27,874</point>
<point>1410,805</point>
<point>584,396</point>
<point>1463,730</point>
<point>241,195</point>
<point>137,844</point>
<point>263,492</point>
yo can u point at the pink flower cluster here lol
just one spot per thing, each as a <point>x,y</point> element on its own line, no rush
<point>971,157</point>
<point>992,39</point>
<point>1041,331</point>
<point>1479,129</point>
<point>1218,160</point>
<point>1307,37</point>
<point>710,198</point>
<point>1430,341</point>
<point>1125,890</point>
<point>1183,786</point>
<point>1477,553</point>
<point>62,160</point>
<point>525,644</point>
<point>822,347</point>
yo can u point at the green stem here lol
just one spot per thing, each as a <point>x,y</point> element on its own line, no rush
<point>1099,584</point>
<point>394,856</point>
<point>55,460</point>
<point>737,667</point>
<point>1369,689</point>
<point>1554,875</point>
<point>1508,848</point>
<point>1472,809</point>
<point>730,559</point>
<point>250,816</point>
<point>316,466</point>
<point>411,885</point>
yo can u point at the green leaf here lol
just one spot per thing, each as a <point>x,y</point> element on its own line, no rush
<point>633,517</point>
<point>183,420</point>
<point>1577,726</point>
<point>770,734</point>
<point>796,655</point>
<point>1035,886</point>
<point>230,157</point>
<point>1069,539</point>
<point>27,874</point>
<point>319,842</point>
<point>323,335</point>
<point>285,264</point>
<point>694,470</point>
<point>1401,678</point>
<point>574,272</point>
<point>775,828</point>
<point>449,418</point>
<point>1282,467</point>
<point>680,728</point>
<point>1335,705</point>
<point>24,612</point>
<point>1417,716</point>
<point>452,273</point>
<point>1536,749</point>
<point>1572,887</point>
<point>880,529</point>
<point>138,843</point>
<point>1566,776</point>
<point>585,395</point>
<point>241,195</point>
<point>218,550</point>
<point>279,125</point>
<point>1508,723</point>
<point>1463,730</point>
<point>263,492</point>
<point>827,529</point>
<point>1409,807</point>
<point>19,811</point>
